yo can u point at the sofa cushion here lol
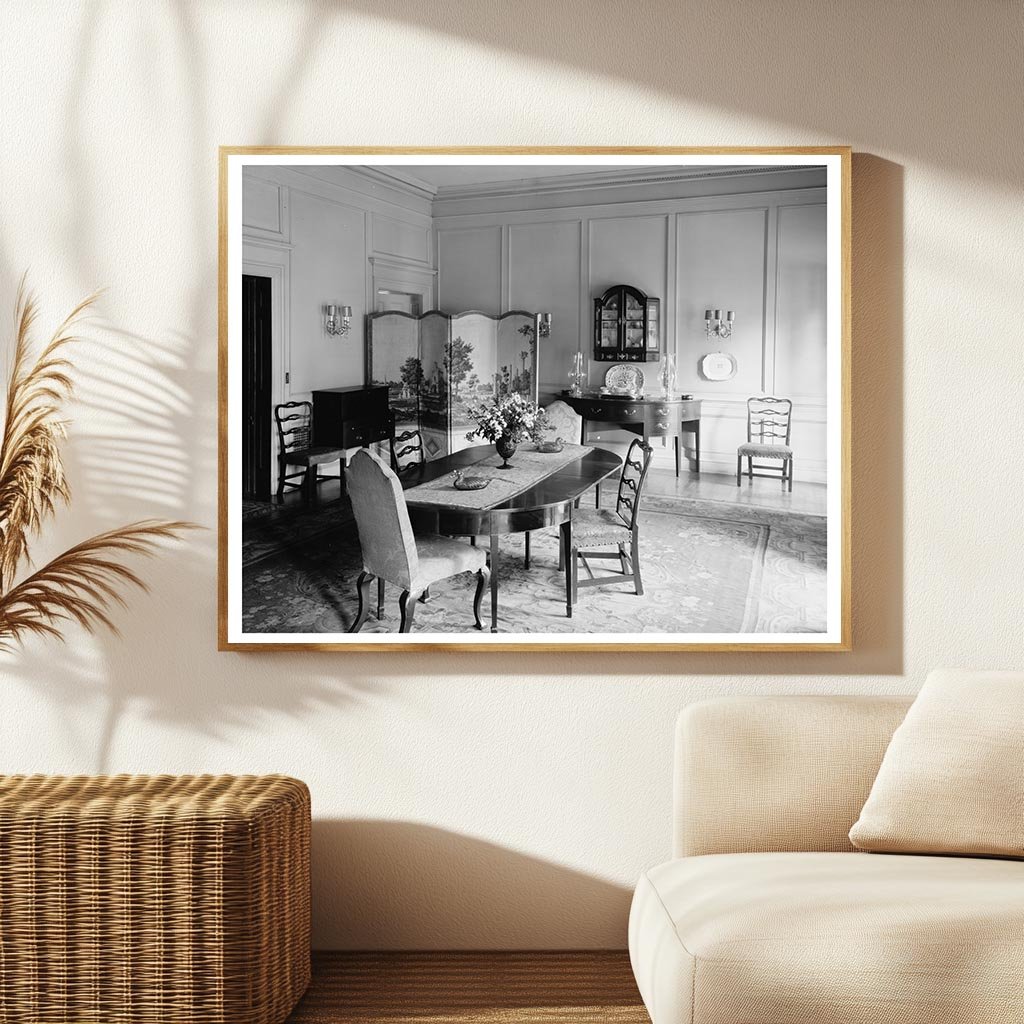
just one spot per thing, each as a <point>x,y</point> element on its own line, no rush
<point>833,938</point>
<point>952,778</point>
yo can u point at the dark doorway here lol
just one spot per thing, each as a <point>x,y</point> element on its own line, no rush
<point>256,391</point>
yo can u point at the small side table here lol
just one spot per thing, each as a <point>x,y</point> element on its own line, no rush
<point>153,899</point>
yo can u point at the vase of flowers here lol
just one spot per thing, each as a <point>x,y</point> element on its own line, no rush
<point>505,422</point>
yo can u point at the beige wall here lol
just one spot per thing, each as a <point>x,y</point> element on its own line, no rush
<point>492,800</point>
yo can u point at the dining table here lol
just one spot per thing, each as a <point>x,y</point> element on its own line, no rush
<point>540,490</point>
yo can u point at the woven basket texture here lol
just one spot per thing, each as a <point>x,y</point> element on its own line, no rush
<point>153,899</point>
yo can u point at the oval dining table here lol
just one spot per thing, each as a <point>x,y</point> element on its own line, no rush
<point>546,502</point>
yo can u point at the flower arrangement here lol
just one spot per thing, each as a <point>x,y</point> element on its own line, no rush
<point>511,417</point>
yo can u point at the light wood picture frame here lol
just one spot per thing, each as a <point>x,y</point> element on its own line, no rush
<point>739,228</point>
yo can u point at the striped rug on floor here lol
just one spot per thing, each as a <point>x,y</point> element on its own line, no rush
<point>471,988</point>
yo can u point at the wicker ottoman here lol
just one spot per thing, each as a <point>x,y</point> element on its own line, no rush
<point>134,899</point>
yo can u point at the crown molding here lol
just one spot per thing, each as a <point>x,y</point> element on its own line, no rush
<point>396,177</point>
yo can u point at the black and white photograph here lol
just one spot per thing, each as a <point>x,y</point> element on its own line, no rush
<point>535,399</point>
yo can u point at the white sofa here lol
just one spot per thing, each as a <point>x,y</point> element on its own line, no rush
<point>768,915</point>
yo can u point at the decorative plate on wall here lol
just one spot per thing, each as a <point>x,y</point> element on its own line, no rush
<point>718,366</point>
<point>624,377</point>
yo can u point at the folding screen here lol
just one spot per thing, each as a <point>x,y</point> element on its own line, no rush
<point>438,365</point>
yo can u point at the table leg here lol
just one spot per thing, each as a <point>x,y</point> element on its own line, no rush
<point>675,441</point>
<point>526,560</point>
<point>494,582</point>
<point>696,447</point>
<point>566,529</point>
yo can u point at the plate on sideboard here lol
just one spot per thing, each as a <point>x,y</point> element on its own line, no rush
<point>624,378</point>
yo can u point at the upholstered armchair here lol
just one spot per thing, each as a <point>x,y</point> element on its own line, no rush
<point>563,421</point>
<point>768,914</point>
<point>392,553</point>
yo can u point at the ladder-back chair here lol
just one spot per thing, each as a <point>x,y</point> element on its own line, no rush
<point>296,448</point>
<point>769,425</point>
<point>616,528</point>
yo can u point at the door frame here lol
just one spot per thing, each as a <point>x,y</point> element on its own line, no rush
<point>274,261</point>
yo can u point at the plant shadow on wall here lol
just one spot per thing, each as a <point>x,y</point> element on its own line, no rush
<point>79,585</point>
<point>788,65</point>
<point>131,451</point>
<point>487,895</point>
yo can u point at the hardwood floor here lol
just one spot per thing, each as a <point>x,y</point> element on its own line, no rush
<point>472,988</point>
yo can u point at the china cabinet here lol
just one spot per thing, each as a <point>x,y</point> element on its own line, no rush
<point>627,326</point>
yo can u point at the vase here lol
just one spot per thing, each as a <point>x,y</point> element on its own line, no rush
<point>506,449</point>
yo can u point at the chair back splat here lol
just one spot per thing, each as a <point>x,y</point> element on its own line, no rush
<point>294,426</point>
<point>631,481</point>
<point>769,420</point>
<point>407,450</point>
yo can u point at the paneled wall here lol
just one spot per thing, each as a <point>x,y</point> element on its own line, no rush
<point>753,243</point>
<point>330,235</point>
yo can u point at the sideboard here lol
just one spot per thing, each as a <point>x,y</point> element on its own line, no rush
<point>648,417</point>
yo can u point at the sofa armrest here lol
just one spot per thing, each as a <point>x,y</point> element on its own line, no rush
<point>764,774</point>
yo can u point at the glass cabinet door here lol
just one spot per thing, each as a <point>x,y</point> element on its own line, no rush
<point>608,326</point>
<point>653,328</point>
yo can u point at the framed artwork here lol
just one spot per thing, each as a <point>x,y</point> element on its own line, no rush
<point>424,446</point>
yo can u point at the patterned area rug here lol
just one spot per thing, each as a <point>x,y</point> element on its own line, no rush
<point>708,567</point>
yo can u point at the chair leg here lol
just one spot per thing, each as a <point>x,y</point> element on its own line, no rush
<point>597,496</point>
<point>483,581</point>
<point>380,598</point>
<point>407,606</point>
<point>309,486</point>
<point>574,572</point>
<point>790,474</point>
<point>363,588</point>
<point>425,596</point>
<point>635,549</point>
<point>739,469</point>
<point>282,468</point>
<point>623,561</point>
<point>750,470</point>
<point>526,557</point>
<point>561,552</point>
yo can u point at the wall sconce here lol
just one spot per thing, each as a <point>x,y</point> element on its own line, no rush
<point>338,319</point>
<point>714,325</point>
<point>543,324</point>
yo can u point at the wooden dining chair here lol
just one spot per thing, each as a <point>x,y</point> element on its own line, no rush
<point>769,424</point>
<point>616,528</point>
<point>295,447</point>
<point>407,450</point>
<point>392,553</point>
